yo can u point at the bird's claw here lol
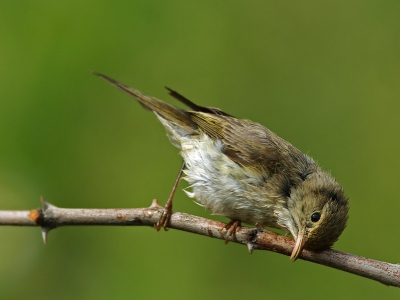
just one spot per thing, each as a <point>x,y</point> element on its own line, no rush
<point>165,216</point>
<point>231,228</point>
<point>259,227</point>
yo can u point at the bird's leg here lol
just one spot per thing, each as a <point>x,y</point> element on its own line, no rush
<point>260,228</point>
<point>232,226</point>
<point>167,210</point>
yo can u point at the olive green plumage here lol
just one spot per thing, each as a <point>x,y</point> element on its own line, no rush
<point>240,169</point>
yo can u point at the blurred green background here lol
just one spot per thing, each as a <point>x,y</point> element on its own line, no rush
<point>324,75</point>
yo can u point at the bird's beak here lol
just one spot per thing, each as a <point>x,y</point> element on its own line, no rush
<point>298,247</point>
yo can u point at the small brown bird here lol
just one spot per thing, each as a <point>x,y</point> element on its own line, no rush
<point>240,169</point>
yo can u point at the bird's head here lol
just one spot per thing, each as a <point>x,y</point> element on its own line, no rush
<point>318,208</point>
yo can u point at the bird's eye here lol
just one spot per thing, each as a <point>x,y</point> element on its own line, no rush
<point>315,217</point>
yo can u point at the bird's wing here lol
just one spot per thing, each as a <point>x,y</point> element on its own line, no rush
<point>194,106</point>
<point>245,142</point>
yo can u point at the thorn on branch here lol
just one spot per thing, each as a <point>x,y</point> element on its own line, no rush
<point>50,217</point>
<point>155,204</point>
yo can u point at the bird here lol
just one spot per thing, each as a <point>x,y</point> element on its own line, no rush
<point>239,169</point>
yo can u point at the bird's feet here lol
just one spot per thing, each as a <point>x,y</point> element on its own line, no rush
<point>166,211</point>
<point>231,228</point>
<point>259,227</point>
<point>165,216</point>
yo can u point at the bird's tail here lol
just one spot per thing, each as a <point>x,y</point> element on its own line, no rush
<point>168,113</point>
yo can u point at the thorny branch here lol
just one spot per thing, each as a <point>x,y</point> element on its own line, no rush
<point>50,217</point>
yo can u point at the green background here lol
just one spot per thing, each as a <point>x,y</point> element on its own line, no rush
<point>324,75</point>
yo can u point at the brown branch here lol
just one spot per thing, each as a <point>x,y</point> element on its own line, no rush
<point>50,217</point>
